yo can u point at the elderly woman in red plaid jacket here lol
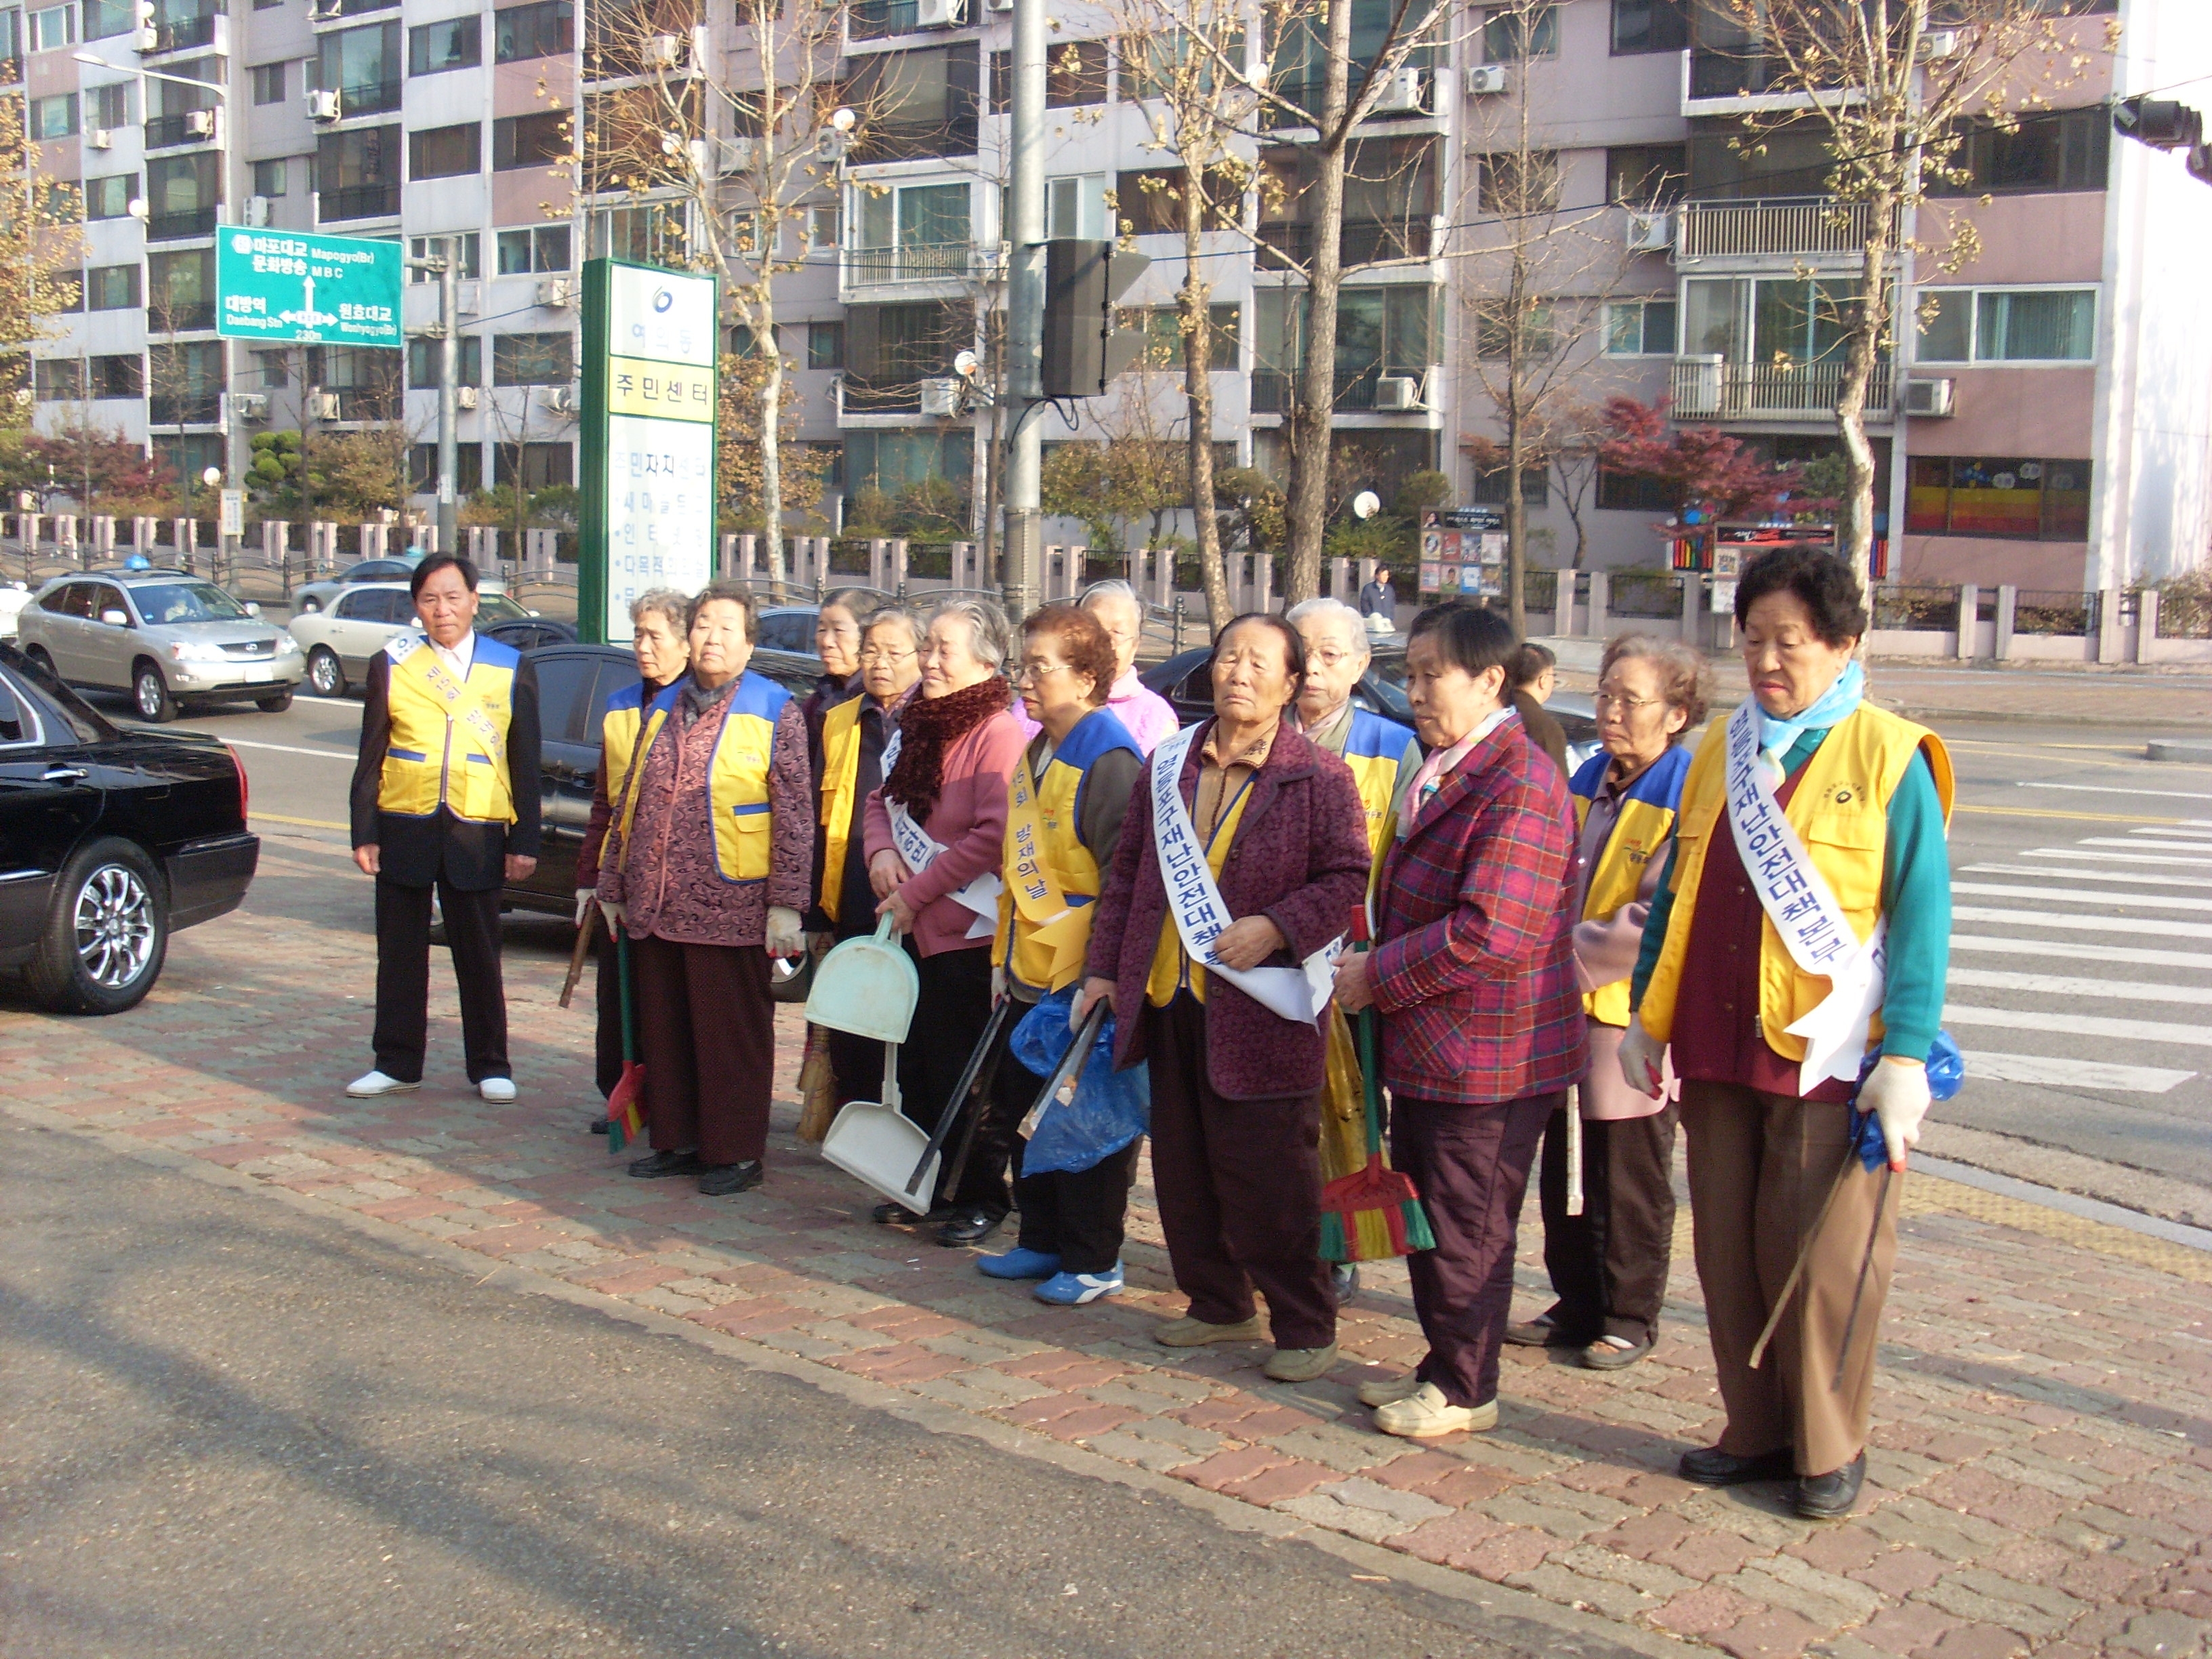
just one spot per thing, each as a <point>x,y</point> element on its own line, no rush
<point>1473,974</point>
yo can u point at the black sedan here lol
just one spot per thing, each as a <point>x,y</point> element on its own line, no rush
<point>110,839</point>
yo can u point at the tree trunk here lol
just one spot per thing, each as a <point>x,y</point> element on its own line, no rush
<point>771,395</point>
<point>1855,526</point>
<point>1516,505</point>
<point>1315,406</point>
<point>1198,395</point>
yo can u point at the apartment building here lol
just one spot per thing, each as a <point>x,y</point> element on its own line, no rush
<point>2050,423</point>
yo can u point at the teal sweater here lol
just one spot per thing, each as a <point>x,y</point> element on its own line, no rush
<point>1916,896</point>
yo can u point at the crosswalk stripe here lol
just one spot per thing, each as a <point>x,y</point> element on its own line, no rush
<point>2109,789</point>
<point>2069,985</point>
<point>2138,877</point>
<point>2073,1073</point>
<point>2147,927</point>
<point>2059,949</point>
<point>2101,1025</point>
<point>2170,846</point>
<point>2069,895</point>
<point>2160,860</point>
<point>2182,831</point>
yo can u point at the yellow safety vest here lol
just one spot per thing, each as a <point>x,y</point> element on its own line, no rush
<point>841,785</point>
<point>736,778</point>
<point>1640,832</point>
<point>1840,810</point>
<point>448,737</point>
<point>1172,967</point>
<point>1050,877</point>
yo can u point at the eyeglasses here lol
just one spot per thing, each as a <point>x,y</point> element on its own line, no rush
<point>1330,657</point>
<point>877,655</point>
<point>1037,671</point>
<point>1627,704</point>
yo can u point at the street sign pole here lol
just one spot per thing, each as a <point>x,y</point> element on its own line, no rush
<point>449,400</point>
<point>1025,283</point>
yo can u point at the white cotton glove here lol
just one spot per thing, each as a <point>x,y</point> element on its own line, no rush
<point>585,898</point>
<point>1641,1057</point>
<point>1896,1091</point>
<point>784,938</point>
<point>612,910</point>
<point>998,984</point>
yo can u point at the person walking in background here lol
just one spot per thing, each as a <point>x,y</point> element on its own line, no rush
<point>1267,844</point>
<point>935,833</point>
<point>1473,978</point>
<point>1781,982</point>
<point>1377,598</point>
<point>1608,1262</point>
<point>1064,811</point>
<point>448,723</point>
<point>658,640</point>
<point>853,734</point>
<point>1535,672</point>
<point>706,868</point>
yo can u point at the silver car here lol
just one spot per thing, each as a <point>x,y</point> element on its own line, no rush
<point>317,595</point>
<point>356,622</point>
<point>170,639</point>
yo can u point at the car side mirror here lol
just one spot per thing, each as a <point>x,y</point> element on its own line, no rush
<point>116,618</point>
<point>252,608</point>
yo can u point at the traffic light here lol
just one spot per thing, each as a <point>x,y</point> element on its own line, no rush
<point>2160,123</point>
<point>1084,349</point>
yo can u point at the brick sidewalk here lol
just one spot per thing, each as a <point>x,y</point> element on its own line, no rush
<point>2041,1479</point>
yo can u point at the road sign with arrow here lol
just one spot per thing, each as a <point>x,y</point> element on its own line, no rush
<point>304,288</point>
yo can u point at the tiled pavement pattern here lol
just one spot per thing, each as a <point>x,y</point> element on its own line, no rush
<point>2041,1479</point>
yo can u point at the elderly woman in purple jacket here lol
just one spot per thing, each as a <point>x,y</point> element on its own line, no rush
<point>1263,843</point>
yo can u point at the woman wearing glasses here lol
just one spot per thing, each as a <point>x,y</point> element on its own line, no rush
<point>1608,1262</point>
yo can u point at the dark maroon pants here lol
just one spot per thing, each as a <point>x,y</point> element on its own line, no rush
<point>1239,1186</point>
<point>706,1029</point>
<point>1470,1165</point>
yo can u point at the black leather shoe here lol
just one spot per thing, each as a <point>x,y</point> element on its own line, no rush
<point>968,1226</point>
<point>1542,1333</point>
<point>720,1180</point>
<point>1709,1465</point>
<point>665,1164</point>
<point>1830,1496</point>
<point>891,1214</point>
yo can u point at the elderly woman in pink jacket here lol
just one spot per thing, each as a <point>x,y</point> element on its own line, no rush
<point>936,832</point>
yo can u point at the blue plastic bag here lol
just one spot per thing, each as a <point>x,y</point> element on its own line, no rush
<point>1947,1070</point>
<point>1109,1110</point>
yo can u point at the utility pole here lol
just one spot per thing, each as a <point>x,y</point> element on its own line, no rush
<point>1025,285</point>
<point>445,267</point>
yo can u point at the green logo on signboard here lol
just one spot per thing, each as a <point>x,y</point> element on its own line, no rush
<point>304,287</point>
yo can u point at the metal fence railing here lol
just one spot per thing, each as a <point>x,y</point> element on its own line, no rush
<point>1644,593</point>
<point>2040,610</point>
<point>1917,609</point>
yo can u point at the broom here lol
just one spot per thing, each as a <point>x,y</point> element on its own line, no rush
<point>1375,1212</point>
<point>626,1105</point>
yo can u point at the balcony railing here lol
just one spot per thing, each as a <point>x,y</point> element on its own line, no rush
<point>360,202</point>
<point>1707,388</point>
<point>371,98</point>
<point>1783,226</point>
<point>175,227</point>
<point>1364,241</point>
<point>167,131</point>
<point>916,262</point>
<point>189,317</point>
<point>1355,393</point>
<point>863,395</point>
<point>188,409</point>
<point>184,34</point>
<point>1307,97</point>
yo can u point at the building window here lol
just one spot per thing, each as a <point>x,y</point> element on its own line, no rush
<point>53,29</point>
<point>547,29</point>
<point>1650,26</point>
<point>530,141</point>
<point>1640,328</point>
<point>423,363</point>
<point>111,288</point>
<point>103,18</point>
<point>362,67</point>
<point>108,106</point>
<point>357,173</point>
<point>1495,324</point>
<point>825,345</point>
<point>1633,492</point>
<point>468,468</point>
<point>917,232</point>
<point>1647,175</point>
<point>1773,321</point>
<point>276,370</point>
<point>456,43</point>
<point>446,152</point>
<point>534,467</point>
<point>532,359</point>
<point>182,193</point>
<point>1075,75</point>
<point>122,376</point>
<point>1224,337</point>
<point>1514,183</point>
<point>58,380</point>
<point>2007,498</point>
<point>54,117</point>
<point>180,291</point>
<point>1512,33</point>
<point>1490,486</point>
<point>110,197</point>
<point>540,247</point>
<point>2061,150</point>
<point>269,82</point>
<point>1077,207</point>
<point>2007,325</point>
<point>822,226</point>
<point>68,293</point>
<point>924,103</point>
<point>436,247</point>
<point>272,178</point>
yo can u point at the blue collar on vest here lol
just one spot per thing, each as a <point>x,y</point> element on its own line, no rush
<point>756,694</point>
<point>1375,736</point>
<point>1098,733</point>
<point>1661,784</point>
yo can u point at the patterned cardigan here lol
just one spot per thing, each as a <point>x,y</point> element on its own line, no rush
<point>1474,973</point>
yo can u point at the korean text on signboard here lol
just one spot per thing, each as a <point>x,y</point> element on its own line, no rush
<point>306,287</point>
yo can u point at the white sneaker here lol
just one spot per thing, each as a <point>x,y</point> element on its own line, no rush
<point>1425,1413</point>
<point>373,1083</point>
<point>499,1090</point>
<point>1388,1390</point>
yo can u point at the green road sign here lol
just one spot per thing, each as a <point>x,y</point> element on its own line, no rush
<point>304,287</point>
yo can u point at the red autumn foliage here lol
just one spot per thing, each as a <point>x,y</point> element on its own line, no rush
<point>1709,470</point>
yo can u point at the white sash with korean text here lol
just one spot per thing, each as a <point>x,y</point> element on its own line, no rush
<point>921,850</point>
<point>459,703</point>
<point>1195,900</point>
<point>1799,903</point>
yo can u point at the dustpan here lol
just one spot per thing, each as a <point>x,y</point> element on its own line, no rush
<point>885,1148</point>
<point>867,987</point>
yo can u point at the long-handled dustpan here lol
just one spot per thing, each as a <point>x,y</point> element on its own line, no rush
<point>887,1149</point>
<point>867,987</point>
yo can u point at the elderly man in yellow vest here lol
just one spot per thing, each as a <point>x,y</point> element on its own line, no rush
<point>445,795</point>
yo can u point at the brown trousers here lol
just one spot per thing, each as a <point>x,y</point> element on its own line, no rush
<point>1760,1167</point>
<point>706,1027</point>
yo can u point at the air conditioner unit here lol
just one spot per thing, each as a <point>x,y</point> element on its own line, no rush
<point>321,405</point>
<point>663,51</point>
<point>1931,400</point>
<point>324,11</point>
<point>1651,232</point>
<point>1397,393</point>
<point>998,5</point>
<point>561,400</point>
<point>467,397</point>
<point>200,123</point>
<point>99,138</point>
<point>940,399</point>
<point>148,39</point>
<point>256,212</point>
<point>556,293</point>
<point>322,105</point>
<point>1935,45</point>
<point>940,14</point>
<point>736,154</point>
<point>1402,94</point>
<point>249,405</point>
<point>1484,79</point>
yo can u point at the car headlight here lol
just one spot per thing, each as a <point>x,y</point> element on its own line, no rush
<point>196,651</point>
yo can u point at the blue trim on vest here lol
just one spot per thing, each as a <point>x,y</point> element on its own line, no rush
<point>1376,737</point>
<point>743,811</point>
<point>630,697</point>
<point>1098,734</point>
<point>494,654</point>
<point>407,754</point>
<point>1659,785</point>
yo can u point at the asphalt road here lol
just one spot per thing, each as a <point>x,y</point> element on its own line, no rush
<point>229,1428</point>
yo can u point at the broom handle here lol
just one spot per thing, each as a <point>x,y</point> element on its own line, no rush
<point>1370,1086</point>
<point>628,1020</point>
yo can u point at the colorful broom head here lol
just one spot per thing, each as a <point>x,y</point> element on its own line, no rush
<point>1371,1214</point>
<point>626,1107</point>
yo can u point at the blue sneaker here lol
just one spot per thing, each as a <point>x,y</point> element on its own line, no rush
<point>1073,1290</point>
<point>1018,1263</point>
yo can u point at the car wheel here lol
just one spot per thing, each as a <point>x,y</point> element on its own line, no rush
<point>790,978</point>
<point>39,659</point>
<point>325,672</point>
<point>149,694</point>
<point>275,702</point>
<point>107,932</point>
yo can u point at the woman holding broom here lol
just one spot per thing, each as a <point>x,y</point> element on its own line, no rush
<point>1472,974</point>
